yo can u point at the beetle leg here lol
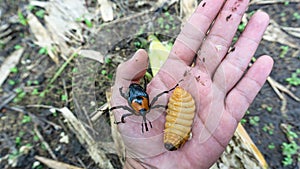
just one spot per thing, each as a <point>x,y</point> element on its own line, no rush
<point>124,115</point>
<point>160,94</point>
<point>122,107</point>
<point>150,123</point>
<point>159,106</point>
<point>122,118</point>
<point>122,94</point>
<point>145,122</point>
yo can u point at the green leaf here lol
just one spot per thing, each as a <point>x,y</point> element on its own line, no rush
<point>40,13</point>
<point>88,23</point>
<point>22,19</point>
<point>43,50</point>
<point>16,47</point>
<point>64,97</point>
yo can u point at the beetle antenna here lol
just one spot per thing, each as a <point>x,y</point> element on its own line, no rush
<point>164,92</point>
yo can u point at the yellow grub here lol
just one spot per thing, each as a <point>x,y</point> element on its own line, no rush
<point>179,119</point>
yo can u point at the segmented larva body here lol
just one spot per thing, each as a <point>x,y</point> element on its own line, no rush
<point>179,119</point>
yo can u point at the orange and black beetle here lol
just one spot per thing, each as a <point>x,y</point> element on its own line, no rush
<point>138,101</point>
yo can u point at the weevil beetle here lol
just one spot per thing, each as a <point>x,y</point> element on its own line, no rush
<point>138,101</point>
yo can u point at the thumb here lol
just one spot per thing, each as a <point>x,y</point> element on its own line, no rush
<point>133,69</point>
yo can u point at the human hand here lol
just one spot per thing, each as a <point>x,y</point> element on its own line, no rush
<point>217,81</point>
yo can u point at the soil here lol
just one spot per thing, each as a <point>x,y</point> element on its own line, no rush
<point>20,122</point>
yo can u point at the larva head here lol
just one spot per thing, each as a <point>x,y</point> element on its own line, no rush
<point>170,147</point>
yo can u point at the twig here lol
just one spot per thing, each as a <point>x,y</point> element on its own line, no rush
<point>81,162</point>
<point>62,68</point>
<point>41,106</point>
<point>283,89</point>
<point>65,90</point>
<point>95,115</point>
<point>55,164</point>
<point>8,100</point>
<point>276,87</point>
<point>47,146</point>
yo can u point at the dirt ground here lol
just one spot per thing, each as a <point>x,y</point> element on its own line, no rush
<point>29,127</point>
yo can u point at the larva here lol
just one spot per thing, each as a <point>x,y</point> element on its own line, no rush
<point>179,119</point>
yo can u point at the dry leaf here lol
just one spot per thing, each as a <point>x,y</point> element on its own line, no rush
<point>106,9</point>
<point>10,62</point>
<point>241,153</point>
<point>187,8</point>
<point>275,34</point>
<point>94,149</point>
<point>292,31</point>
<point>62,25</point>
<point>92,54</point>
<point>42,36</point>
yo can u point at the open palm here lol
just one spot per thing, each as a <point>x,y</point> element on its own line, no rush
<point>217,81</point>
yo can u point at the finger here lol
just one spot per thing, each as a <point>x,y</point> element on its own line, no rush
<point>233,66</point>
<point>133,69</point>
<point>130,71</point>
<point>219,39</point>
<point>193,32</point>
<point>240,97</point>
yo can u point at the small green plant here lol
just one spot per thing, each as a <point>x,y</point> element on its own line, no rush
<point>160,22</point>
<point>271,146</point>
<point>284,51</point>
<point>40,13</point>
<point>26,119</point>
<point>254,120</point>
<point>242,26</point>
<point>294,79</point>
<point>35,92</point>
<point>18,140</point>
<point>36,138</point>
<point>269,128</point>
<point>107,60</point>
<point>269,108</point>
<point>103,72</point>
<point>243,121</point>
<point>296,15</point>
<point>30,7</point>
<point>291,134</point>
<point>64,97</point>
<point>43,93</point>
<point>22,18</point>
<point>75,70</point>
<point>286,3</point>
<point>11,82</point>
<point>43,51</point>
<point>20,95</point>
<point>289,150</point>
<point>88,23</point>
<point>16,47</point>
<point>140,43</point>
<point>251,13</point>
<point>14,70</point>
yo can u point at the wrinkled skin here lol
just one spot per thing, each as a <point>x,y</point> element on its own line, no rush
<point>218,83</point>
